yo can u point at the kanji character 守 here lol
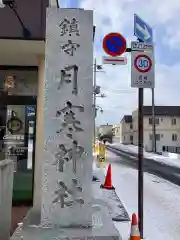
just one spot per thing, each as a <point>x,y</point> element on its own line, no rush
<point>70,47</point>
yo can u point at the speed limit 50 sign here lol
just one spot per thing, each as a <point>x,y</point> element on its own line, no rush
<point>142,70</point>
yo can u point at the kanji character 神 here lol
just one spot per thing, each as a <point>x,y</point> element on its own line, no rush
<point>61,157</point>
<point>71,154</point>
<point>77,152</point>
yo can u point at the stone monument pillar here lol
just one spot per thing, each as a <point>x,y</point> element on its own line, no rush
<point>68,119</point>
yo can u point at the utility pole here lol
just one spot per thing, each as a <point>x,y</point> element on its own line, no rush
<point>140,159</point>
<point>153,123</point>
<point>97,68</point>
<point>94,99</point>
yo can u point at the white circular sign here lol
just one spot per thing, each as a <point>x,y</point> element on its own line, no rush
<point>142,63</point>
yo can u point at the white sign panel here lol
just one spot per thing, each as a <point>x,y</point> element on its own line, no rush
<point>141,46</point>
<point>115,60</point>
<point>142,70</point>
<point>68,118</point>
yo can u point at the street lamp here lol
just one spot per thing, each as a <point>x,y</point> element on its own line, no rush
<point>99,67</point>
<point>102,95</point>
<point>98,108</point>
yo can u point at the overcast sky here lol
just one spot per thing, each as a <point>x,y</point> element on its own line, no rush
<point>118,16</point>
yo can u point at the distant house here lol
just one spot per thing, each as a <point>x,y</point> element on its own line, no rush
<point>105,129</point>
<point>167,119</point>
<point>126,130</point>
<point>117,133</point>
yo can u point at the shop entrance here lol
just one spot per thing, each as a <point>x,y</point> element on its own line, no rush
<point>19,144</point>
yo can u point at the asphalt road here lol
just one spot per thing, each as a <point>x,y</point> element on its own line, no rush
<point>169,173</point>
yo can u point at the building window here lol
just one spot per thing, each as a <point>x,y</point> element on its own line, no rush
<point>131,138</point>
<point>20,82</point>
<point>156,121</point>
<point>157,137</point>
<point>150,136</point>
<point>161,119</point>
<point>174,121</point>
<point>174,137</point>
<point>131,126</point>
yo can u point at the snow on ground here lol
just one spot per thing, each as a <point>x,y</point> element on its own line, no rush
<point>161,201</point>
<point>167,158</point>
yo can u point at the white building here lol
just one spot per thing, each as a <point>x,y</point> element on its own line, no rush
<point>117,133</point>
<point>126,130</point>
<point>167,127</point>
<point>105,129</point>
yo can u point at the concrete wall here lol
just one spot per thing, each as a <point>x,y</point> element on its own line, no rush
<point>6,186</point>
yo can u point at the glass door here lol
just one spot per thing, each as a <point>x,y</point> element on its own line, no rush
<point>19,146</point>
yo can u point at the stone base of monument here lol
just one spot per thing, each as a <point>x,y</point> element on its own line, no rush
<point>102,228</point>
<point>102,225</point>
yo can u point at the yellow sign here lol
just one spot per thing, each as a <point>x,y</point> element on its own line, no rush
<point>97,148</point>
<point>102,152</point>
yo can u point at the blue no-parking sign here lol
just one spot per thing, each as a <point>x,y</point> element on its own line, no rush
<point>114,44</point>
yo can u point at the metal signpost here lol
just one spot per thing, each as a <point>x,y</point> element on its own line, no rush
<point>144,33</point>
<point>142,76</point>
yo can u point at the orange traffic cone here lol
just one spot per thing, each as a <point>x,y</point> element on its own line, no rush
<point>108,180</point>
<point>134,235</point>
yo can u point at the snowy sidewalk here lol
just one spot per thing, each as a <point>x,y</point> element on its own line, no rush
<point>161,204</point>
<point>167,158</point>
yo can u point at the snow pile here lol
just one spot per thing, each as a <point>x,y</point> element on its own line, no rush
<point>167,158</point>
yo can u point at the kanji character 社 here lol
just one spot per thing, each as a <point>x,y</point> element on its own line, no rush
<point>63,193</point>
